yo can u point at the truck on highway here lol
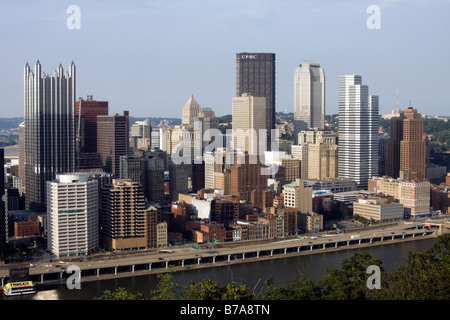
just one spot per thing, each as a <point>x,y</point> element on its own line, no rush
<point>355,236</point>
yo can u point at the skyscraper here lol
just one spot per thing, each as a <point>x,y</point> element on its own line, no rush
<point>3,220</point>
<point>112,141</point>
<point>72,214</point>
<point>255,75</point>
<point>49,118</point>
<point>358,131</point>
<point>249,118</point>
<point>412,145</point>
<point>89,109</point>
<point>309,97</point>
<point>406,149</point>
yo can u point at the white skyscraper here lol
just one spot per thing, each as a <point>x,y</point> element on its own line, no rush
<point>358,131</point>
<point>72,214</point>
<point>309,97</point>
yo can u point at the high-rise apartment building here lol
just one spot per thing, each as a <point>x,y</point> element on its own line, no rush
<point>358,131</point>
<point>89,109</point>
<point>123,216</point>
<point>112,140</point>
<point>49,118</point>
<point>72,214</point>
<point>255,75</point>
<point>309,97</point>
<point>249,121</point>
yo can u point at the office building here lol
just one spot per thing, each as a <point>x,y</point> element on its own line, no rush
<point>72,214</point>
<point>49,130</point>
<point>3,208</point>
<point>311,136</point>
<point>112,140</point>
<point>322,160</point>
<point>249,183</point>
<point>152,175</point>
<point>300,152</point>
<point>249,123</point>
<point>140,138</point>
<point>298,195</point>
<point>358,131</point>
<point>406,149</point>
<point>378,208</point>
<point>309,97</point>
<point>412,145</point>
<point>310,222</point>
<point>255,75</point>
<point>87,112</point>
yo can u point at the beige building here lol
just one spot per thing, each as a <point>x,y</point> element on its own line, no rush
<point>378,208</point>
<point>314,135</point>
<point>249,118</point>
<point>415,197</point>
<point>413,194</point>
<point>298,196</point>
<point>322,160</point>
<point>222,181</point>
<point>300,152</point>
<point>311,221</point>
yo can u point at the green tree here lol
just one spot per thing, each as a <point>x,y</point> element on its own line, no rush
<point>350,282</point>
<point>119,294</point>
<point>299,289</point>
<point>166,289</point>
<point>425,276</point>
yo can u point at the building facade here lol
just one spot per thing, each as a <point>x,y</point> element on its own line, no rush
<point>113,141</point>
<point>255,75</point>
<point>49,119</point>
<point>72,214</point>
<point>358,131</point>
<point>309,97</point>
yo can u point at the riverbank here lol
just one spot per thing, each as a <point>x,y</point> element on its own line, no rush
<point>235,261</point>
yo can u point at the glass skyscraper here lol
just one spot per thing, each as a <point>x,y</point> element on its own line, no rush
<point>49,118</point>
<point>358,131</point>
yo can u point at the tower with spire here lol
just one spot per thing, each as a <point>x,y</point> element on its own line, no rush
<point>49,140</point>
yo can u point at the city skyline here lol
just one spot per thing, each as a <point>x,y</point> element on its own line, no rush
<point>148,65</point>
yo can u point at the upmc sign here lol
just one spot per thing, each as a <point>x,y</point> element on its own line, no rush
<point>249,56</point>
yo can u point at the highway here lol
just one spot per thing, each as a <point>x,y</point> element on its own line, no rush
<point>186,257</point>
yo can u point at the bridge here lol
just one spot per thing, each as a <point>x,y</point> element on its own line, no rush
<point>187,258</point>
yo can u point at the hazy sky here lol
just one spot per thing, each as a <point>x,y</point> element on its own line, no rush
<point>148,57</point>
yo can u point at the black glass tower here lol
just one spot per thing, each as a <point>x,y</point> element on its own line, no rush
<point>255,75</point>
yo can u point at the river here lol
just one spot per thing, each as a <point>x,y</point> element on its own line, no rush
<point>283,270</point>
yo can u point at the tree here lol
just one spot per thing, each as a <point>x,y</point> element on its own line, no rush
<point>299,289</point>
<point>119,294</point>
<point>425,276</point>
<point>350,282</point>
<point>166,289</point>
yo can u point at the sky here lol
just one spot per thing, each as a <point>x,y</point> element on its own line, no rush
<point>148,57</point>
